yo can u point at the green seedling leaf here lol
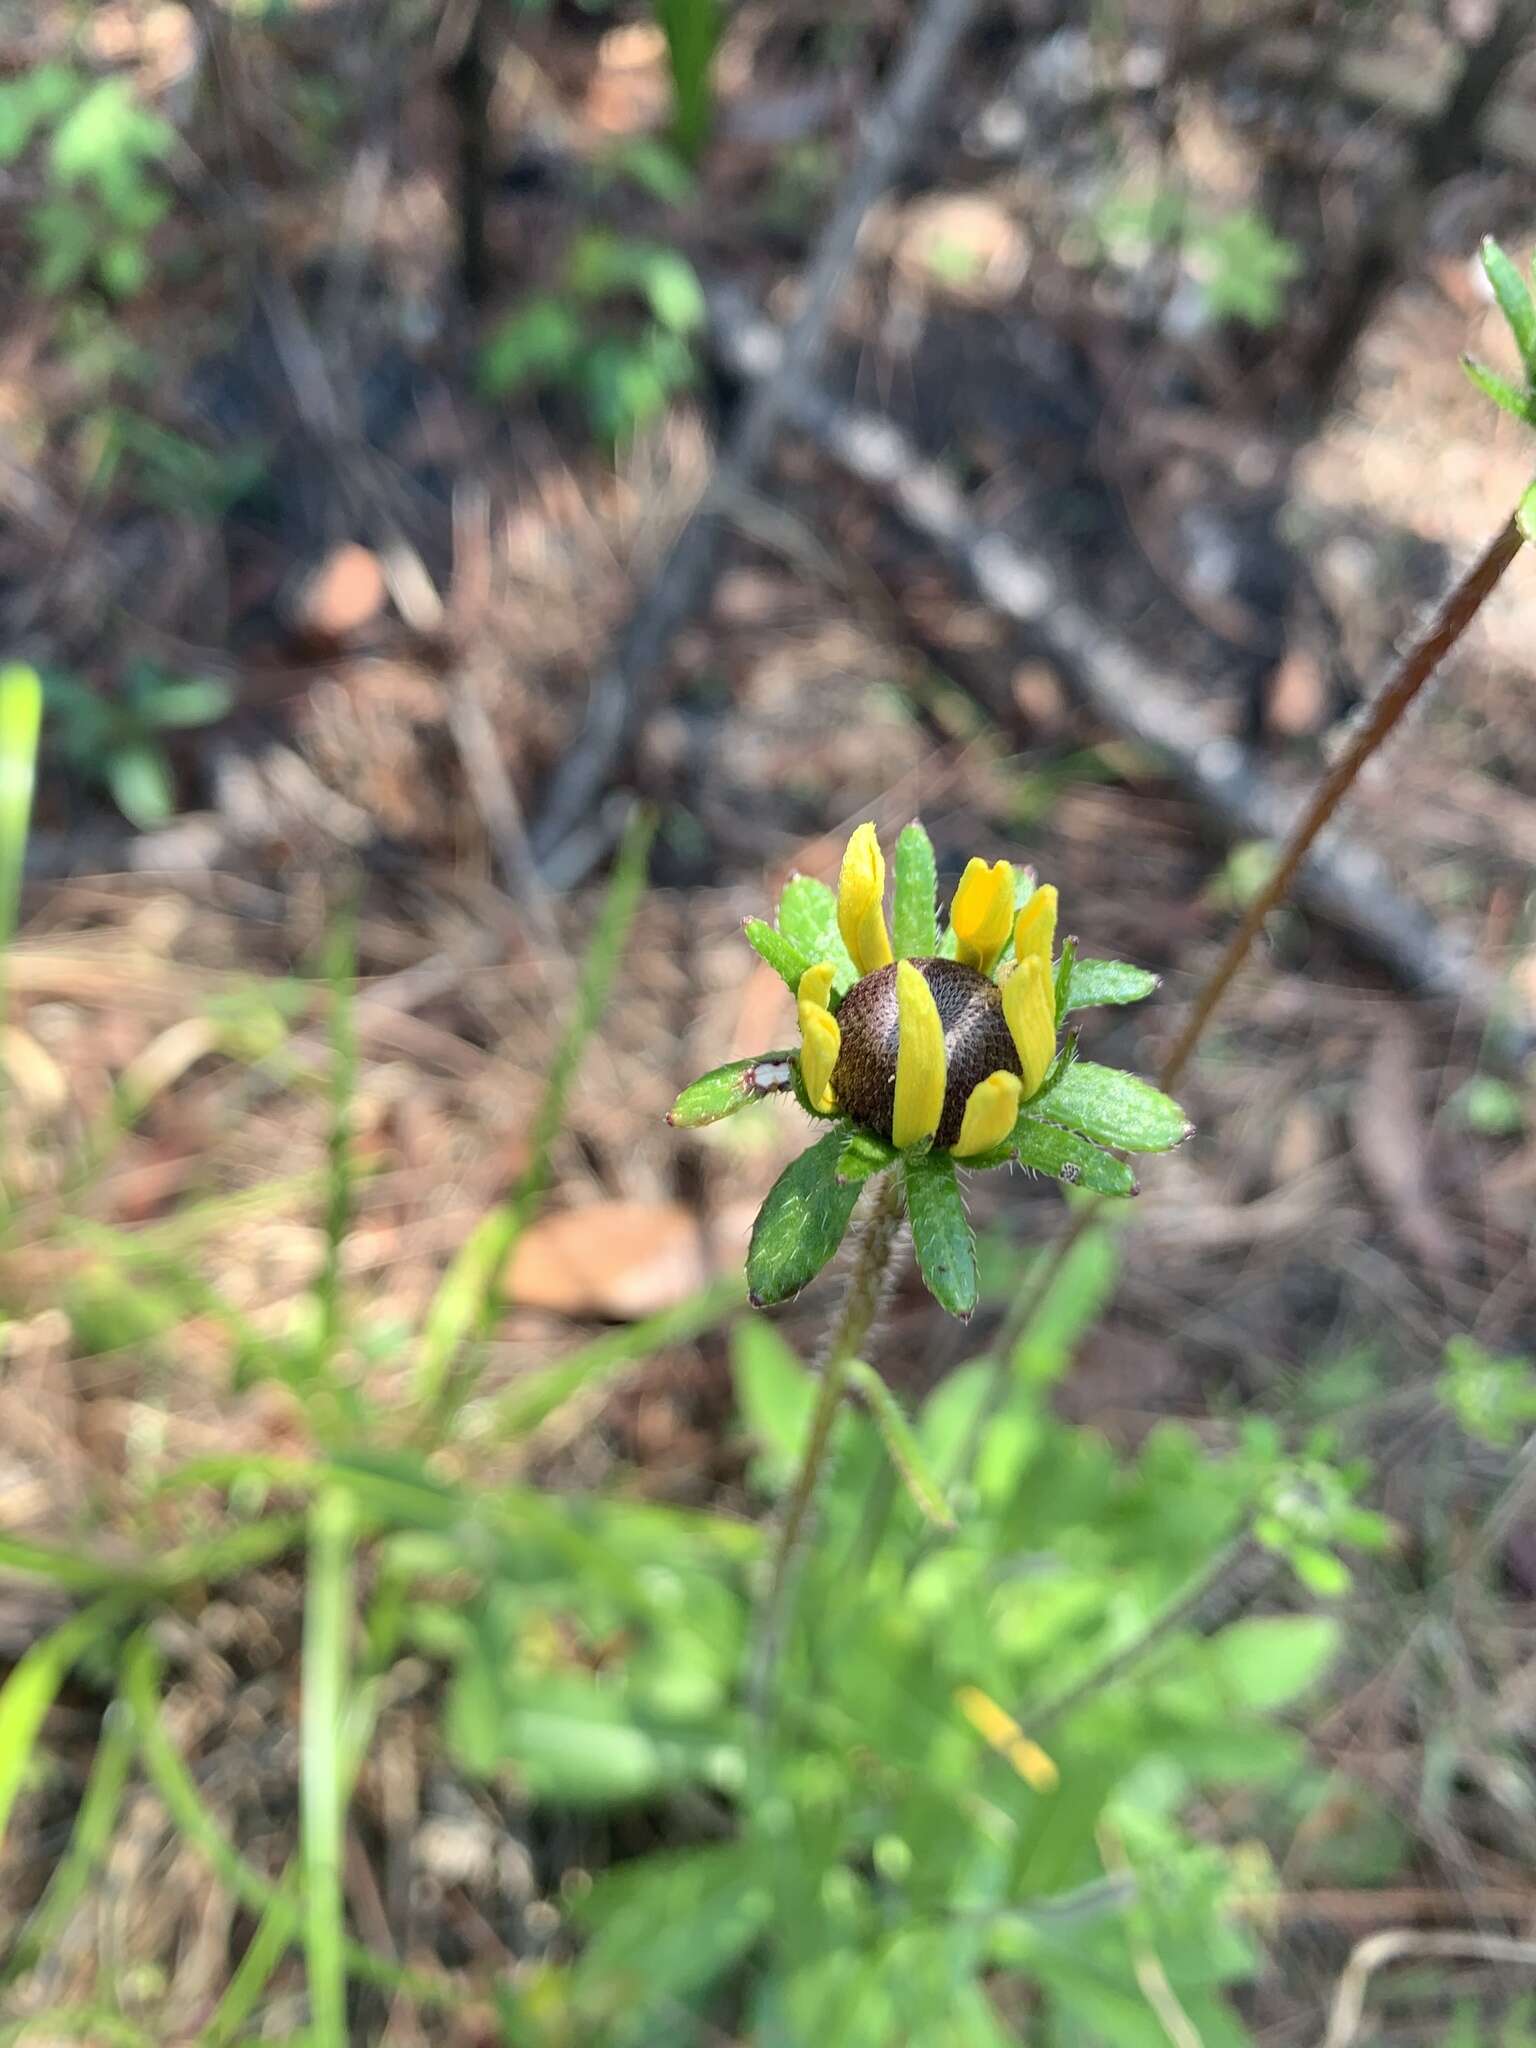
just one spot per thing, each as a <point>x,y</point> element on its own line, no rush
<point>941,1231</point>
<point>1108,981</point>
<point>1525,515</point>
<point>329,1603</point>
<point>672,287</point>
<point>914,921</point>
<point>533,346</point>
<point>801,1224</point>
<point>1047,1148</point>
<point>197,700</point>
<point>1509,288</point>
<point>1066,972</point>
<point>901,1445</point>
<point>1112,1107</point>
<point>781,954</point>
<point>864,1154</point>
<point>726,1089</point>
<point>1522,404</point>
<point>139,778</point>
<point>808,919</point>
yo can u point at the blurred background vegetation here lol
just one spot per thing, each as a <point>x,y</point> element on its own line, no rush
<point>388,1459</point>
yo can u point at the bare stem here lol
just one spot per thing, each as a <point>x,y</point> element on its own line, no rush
<point>1456,612</point>
<point>1413,671</point>
<point>869,1282</point>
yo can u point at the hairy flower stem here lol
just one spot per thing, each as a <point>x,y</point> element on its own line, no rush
<point>1456,612</point>
<point>869,1283</point>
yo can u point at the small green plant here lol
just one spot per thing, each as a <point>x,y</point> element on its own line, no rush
<point>1515,303</point>
<point>617,332</point>
<point>1240,265</point>
<point>103,158</point>
<point>118,741</point>
<point>1493,1399</point>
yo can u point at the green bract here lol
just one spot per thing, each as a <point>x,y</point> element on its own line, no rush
<point>933,1053</point>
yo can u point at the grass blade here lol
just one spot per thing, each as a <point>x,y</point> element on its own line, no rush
<point>901,1446</point>
<point>328,1613</point>
<point>341,972</point>
<point>178,1793</point>
<point>466,1300</point>
<point>21,716</point>
<point>33,1685</point>
<point>537,1395</point>
<point>95,1825</point>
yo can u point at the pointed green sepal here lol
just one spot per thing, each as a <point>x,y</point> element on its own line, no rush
<point>915,928</point>
<point>1107,981</point>
<point>801,1224</point>
<point>1047,1148</point>
<point>941,1232</point>
<point>782,955</point>
<point>1514,298</point>
<point>1521,403</point>
<point>1066,969</point>
<point>723,1091</point>
<point>808,919</point>
<point>901,1445</point>
<point>865,1153</point>
<point>1113,1108</point>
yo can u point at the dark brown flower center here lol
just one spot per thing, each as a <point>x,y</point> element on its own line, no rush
<point>977,1042</point>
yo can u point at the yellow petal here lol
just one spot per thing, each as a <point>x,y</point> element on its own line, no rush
<point>990,1114</point>
<point>982,913</point>
<point>815,986</point>
<point>860,898</point>
<point>920,1070</point>
<point>997,1728</point>
<point>1035,931</point>
<point>820,1043</point>
<point>1029,1004</point>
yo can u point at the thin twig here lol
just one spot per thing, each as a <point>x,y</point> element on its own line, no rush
<point>1414,670</point>
<point>1377,1950</point>
<point>869,1282</point>
<point>686,578</point>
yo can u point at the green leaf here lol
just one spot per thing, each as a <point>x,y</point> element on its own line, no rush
<point>675,294</point>
<point>1066,970</point>
<point>1509,288</point>
<point>802,1222</point>
<point>1270,1661</point>
<point>808,919</point>
<point>864,1154</point>
<point>573,1740</point>
<point>724,1090</point>
<point>1525,515</point>
<point>1521,403</point>
<point>534,345</point>
<point>140,781</point>
<point>775,1394</point>
<point>901,1446</point>
<point>198,700</point>
<point>1046,1148</point>
<point>1113,1107</point>
<point>915,923</point>
<point>33,1683</point>
<point>781,954</point>
<point>941,1232</point>
<point>1109,981</point>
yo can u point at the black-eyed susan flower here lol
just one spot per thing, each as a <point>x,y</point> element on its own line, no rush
<point>930,1051</point>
